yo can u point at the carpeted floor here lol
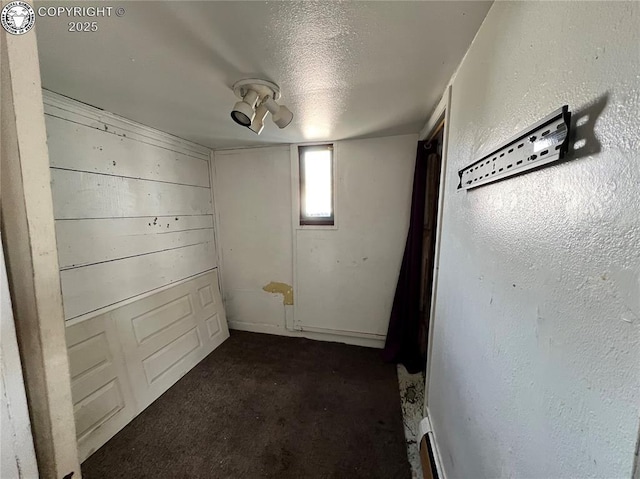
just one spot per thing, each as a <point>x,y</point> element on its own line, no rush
<point>264,406</point>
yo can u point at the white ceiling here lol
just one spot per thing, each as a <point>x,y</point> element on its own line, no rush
<point>346,69</point>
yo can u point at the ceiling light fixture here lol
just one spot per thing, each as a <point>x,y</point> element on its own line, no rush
<point>244,111</point>
<point>263,94</point>
<point>280,114</point>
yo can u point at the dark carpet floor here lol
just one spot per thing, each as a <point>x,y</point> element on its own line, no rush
<point>268,406</point>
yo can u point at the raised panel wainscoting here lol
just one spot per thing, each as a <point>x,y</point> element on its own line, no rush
<point>123,360</point>
<point>164,337</point>
<point>103,402</point>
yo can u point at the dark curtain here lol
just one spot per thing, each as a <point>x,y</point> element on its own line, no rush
<point>403,336</point>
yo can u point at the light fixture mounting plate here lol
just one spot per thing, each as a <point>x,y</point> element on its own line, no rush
<point>261,87</point>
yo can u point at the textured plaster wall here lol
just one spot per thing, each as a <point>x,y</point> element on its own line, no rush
<point>536,350</point>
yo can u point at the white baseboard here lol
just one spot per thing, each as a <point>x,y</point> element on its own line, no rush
<point>258,328</point>
<point>280,331</point>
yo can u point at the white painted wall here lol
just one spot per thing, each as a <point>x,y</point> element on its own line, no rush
<point>253,198</point>
<point>536,348</point>
<point>133,206</point>
<point>345,277</point>
<point>18,459</point>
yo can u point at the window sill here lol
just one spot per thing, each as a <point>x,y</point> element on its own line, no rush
<point>316,227</point>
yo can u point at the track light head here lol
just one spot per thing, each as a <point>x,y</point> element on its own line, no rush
<point>283,117</point>
<point>242,114</point>
<point>243,111</point>
<point>265,93</point>
<point>280,114</point>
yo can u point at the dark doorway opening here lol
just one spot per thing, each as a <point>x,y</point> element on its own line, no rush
<point>432,197</point>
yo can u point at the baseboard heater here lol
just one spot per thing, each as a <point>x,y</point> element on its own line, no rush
<point>428,455</point>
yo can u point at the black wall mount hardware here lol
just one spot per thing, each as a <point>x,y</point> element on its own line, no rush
<point>540,144</point>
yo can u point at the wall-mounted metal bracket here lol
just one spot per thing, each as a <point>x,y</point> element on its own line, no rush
<point>542,143</point>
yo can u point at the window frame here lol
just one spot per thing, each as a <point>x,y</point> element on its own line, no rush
<point>309,222</point>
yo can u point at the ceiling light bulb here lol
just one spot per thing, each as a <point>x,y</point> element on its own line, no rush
<point>280,114</point>
<point>243,112</point>
<point>258,122</point>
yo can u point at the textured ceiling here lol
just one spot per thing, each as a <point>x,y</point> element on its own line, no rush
<point>346,69</point>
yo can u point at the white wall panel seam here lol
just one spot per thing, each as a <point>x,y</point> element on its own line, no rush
<point>85,265</point>
<point>128,177</point>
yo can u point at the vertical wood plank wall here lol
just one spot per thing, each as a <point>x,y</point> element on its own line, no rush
<point>133,207</point>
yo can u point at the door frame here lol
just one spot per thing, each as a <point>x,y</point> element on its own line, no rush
<point>28,234</point>
<point>441,113</point>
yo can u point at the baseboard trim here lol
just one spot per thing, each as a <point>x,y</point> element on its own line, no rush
<point>258,328</point>
<point>317,336</point>
<point>341,332</point>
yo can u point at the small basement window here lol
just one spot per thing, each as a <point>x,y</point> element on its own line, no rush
<point>316,185</point>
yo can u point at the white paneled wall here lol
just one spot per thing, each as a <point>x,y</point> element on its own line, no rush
<point>123,360</point>
<point>137,257</point>
<point>133,206</point>
<point>103,402</point>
